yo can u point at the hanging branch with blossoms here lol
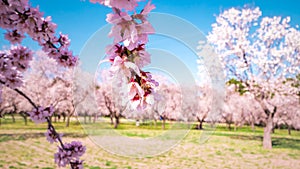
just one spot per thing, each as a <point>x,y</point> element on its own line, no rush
<point>127,54</point>
<point>18,18</point>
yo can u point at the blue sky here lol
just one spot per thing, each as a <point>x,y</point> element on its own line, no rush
<point>81,19</point>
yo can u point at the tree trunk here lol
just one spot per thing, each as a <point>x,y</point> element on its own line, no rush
<point>289,129</point>
<point>229,126</point>
<point>95,118</point>
<point>68,121</point>
<point>13,117</point>
<point>84,117</point>
<point>267,140</point>
<point>111,119</point>
<point>164,124</point>
<point>200,124</point>
<point>55,118</point>
<point>116,121</point>
<point>199,127</point>
<point>25,119</point>
<point>64,117</point>
<point>58,117</point>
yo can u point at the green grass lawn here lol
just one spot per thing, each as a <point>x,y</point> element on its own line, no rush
<point>26,147</point>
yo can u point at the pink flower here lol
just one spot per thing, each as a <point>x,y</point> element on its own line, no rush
<point>63,40</point>
<point>130,30</point>
<point>121,65</point>
<point>12,63</point>
<point>13,79</point>
<point>76,164</point>
<point>117,18</point>
<point>40,114</point>
<point>66,58</point>
<point>69,154</point>
<point>20,56</point>
<point>135,94</point>
<point>148,8</point>
<point>112,51</point>
<point>14,37</point>
<point>142,58</point>
<point>122,24</point>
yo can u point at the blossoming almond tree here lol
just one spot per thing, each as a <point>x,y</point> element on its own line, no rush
<point>20,19</point>
<point>260,53</point>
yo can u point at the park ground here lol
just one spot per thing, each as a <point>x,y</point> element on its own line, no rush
<point>25,147</point>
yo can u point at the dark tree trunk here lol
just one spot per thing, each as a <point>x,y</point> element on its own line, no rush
<point>164,124</point>
<point>200,127</point>
<point>64,117</point>
<point>68,121</point>
<point>58,117</point>
<point>229,126</point>
<point>13,117</point>
<point>95,118</point>
<point>117,121</point>
<point>289,129</point>
<point>267,140</point>
<point>25,120</point>
<point>111,119</point>
<point>24,115</point>
<point>55,118</point>
<point>84,116</point>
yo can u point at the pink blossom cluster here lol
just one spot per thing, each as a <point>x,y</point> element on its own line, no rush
<point>13,63</point>
<point>18,18</point>
<point>128,55</point>
<point>40,114</point>
<point>70,154</point>
<point>131,30</point>
<point>141,89</point>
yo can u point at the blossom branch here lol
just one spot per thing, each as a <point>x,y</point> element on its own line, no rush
<point>18,18</point>
<point>128,55</point>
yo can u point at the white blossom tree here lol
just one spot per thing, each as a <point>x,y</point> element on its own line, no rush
<point>259,52</point>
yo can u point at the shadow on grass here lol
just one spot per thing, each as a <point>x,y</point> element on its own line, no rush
<point>25,136</point>
<point>277,142</point>
<point>286,143</point>
<point>240,136</point>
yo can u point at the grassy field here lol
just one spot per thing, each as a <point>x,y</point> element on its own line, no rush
<point>25,147</point>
